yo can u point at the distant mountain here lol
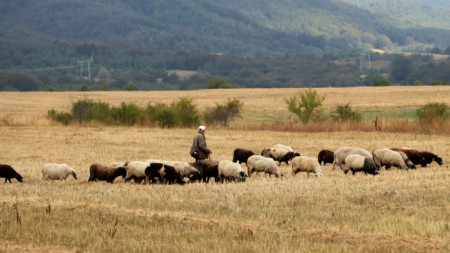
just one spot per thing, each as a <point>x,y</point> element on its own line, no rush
<point>443,3</point>
<point>243,27</point>
<point>423,12</point>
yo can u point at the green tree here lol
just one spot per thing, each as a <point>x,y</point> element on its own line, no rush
<point>84,87</point>
<point>306,105</point>
<point>401,68</point>
<point>130,87</point>
<point>380,82</point>
<point>220,83</point>
<point>224,113</point>
<point>346,113</point>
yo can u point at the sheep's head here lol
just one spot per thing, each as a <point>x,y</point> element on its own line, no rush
<point>242,176</point>
<point>19,178</point>
<point>297,154</point>
<point>74,174</point>
<point>438,160</point>
<point>121,172</point>
<point>423,162</point>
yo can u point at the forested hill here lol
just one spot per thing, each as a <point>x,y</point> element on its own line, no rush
<point>244,27</point>
<point>426,13</point>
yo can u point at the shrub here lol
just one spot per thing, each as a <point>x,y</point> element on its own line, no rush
<point>127,114</point>
<point>224,113</point>
<point>130,87</point>
<point>80,109</point>
<point>345,113</point>
<point>61,117</point>
<point>84,87</point>
<point>381,82</point>
<point>432,116</point>
<point>306,105</point>
<point>220,83</point>
<point>186,110</point>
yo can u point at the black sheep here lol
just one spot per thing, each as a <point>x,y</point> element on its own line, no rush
<point>241,155</point>
<point>8,172</point>
<point>164,171</point>
<point>325,156</point>
<point>413,155</point>
<point>430,157</point>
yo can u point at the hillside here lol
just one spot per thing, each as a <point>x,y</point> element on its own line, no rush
<point>245,27</point>
<point>424,13</point>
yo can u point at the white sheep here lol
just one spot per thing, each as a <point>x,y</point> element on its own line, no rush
<point>184,169</point>
<point>306,164</point>
<point>357,162</point>
<point>136,171</point>
<point>257,163</point>
<point>231,171</point>
<point>386,157</point>
<point>58,171</point>
<point>281,155</point>
<point>283,147</point>
<point>342,153</point>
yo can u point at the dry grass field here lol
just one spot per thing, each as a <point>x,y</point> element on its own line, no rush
<point>397,211</point>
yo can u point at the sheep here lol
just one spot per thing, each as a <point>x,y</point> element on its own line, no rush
<point>306,164</point>
<point>414,156</point>
<point>163,171</point>
<point>184,169</point>
<point>279,154</point>
<point>283,147</point>
<point>357,162</point>
<point>207,170</point>
<point>136,171</point>
<point>386,157</point>
<point>7,172</point>
<point>241,155</point>
<point>107,173</point>
<point>430,157</point>
<point>341,153</point>
<point>58,171</point>
<point>231,171</point>
<point>257,163</point>
<point>325,156</point>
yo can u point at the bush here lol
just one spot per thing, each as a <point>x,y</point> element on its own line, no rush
<point>220,83</point>
<point>61,117</point>
<point>224,113</point>
<point>130,87</point>
<point>127,114</point>
<point>182,113</point>
<point>306,105</point>
<point>433,116</point>
<point>381,82</point>
<point>80,109</point>
<point>345,113</point>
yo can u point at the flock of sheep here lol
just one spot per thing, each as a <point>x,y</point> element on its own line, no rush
<point>171,172</point>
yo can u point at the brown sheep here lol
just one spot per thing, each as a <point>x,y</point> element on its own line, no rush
<point>241,155</point>
<point>325,156</point>
<point>107,173</point>
<point>414,156</point>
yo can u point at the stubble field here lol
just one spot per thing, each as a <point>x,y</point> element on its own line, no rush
<point>396,211</point>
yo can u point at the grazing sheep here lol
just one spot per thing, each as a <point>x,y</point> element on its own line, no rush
<point>386,157</point>
<point>341,153</point>
<point>107,173</point>
<point>282,146</point>
<point>306,164</point>
<point>207,170</point>
<point>184,169</point>
<point>257,163</point>
<point>281,155</point>
<point>7,172</point>
<point>136,171</point>
<point>266,153</point>
<point>58,171</point>
<point>357,162</point>
<point>430,157</point>
<point>231,171</point>
<point>325,156</point>
<point>241,155</point>
<point>414,156</point>
<point>164,171</point>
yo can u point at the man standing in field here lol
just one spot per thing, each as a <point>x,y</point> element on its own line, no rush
<point>200,144</point>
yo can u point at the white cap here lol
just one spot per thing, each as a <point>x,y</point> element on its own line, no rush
<point>203,128</point>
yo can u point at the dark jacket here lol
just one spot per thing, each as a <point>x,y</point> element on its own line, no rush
<point>200,143</point>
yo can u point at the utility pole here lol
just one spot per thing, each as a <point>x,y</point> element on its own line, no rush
<point>360,62</point>
<point>368,56</point>
<point>88,63</point>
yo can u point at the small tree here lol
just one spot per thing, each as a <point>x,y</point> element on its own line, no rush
<point>224,113</point>
<point>130,87</point>
<point>306,105</point>
<point>346,113</point>
<point>84,87</point>
<point>433,116</point>
<point>380,82</point>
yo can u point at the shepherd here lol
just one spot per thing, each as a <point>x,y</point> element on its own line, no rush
<point>199,149</point>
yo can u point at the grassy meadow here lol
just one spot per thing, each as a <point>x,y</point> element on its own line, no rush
<point>397,211</point>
